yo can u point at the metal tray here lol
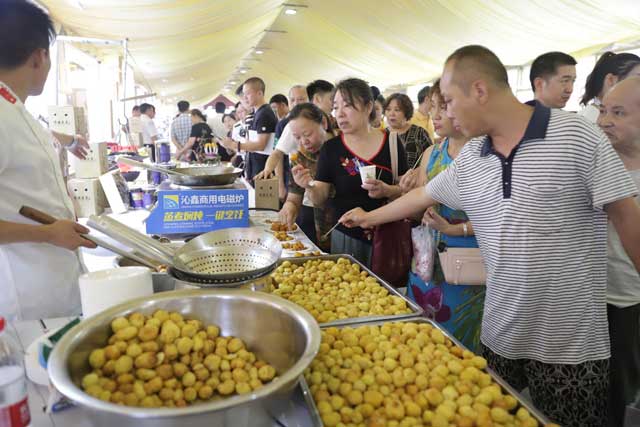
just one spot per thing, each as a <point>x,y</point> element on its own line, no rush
<point>416,310</point>
<point>299,411</point>
<point>315,415</point>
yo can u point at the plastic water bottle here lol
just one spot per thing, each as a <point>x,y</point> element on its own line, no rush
<point>14,409</point>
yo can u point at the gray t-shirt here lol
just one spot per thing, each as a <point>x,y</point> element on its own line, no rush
<point>623,280</point>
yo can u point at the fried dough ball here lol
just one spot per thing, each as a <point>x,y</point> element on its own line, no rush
<point>97,358</point>
<point>127,333</point>
<point>169,332</point>
<point>111,352</point>
<point>136,319</point>
<point>148,332</point>
<point>146,360</point>
<point>227,387</point>
<point>334,290</point>
<point>119,323</point>
<point>124,365</point>
<point>235,345</point>
<point>266,373</point>
<point>184,344</point>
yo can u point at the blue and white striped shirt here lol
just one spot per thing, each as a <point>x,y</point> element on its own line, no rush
<point>539,220</point>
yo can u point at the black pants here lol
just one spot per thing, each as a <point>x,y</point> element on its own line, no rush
<point>254,164</point>
<point>570,395</point>
<point>306,222</point>
<point>624,332</point>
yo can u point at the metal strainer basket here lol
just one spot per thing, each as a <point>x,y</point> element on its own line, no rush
<point>227,256</point>
<point>224,264</point>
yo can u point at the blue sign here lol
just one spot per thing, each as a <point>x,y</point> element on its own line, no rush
<point>198,211</point>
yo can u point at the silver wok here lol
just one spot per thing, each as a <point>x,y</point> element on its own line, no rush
<point>202,176</point>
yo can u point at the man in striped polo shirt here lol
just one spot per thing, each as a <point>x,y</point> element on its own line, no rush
<point>537,188</point>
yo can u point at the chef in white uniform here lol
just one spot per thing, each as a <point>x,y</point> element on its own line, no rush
<point>39,266</point>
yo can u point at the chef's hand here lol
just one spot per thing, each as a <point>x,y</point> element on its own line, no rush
<point>80,147</point>
<point>302,176</point>
<point>409,181</point>
<point>357,217</point>
<point>435,221</point>
<point>288,214</point>
<point>66,234</point>
<point>377,189</point>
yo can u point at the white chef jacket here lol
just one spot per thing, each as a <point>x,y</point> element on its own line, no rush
<point>149,129</point>
<point>37,280</point>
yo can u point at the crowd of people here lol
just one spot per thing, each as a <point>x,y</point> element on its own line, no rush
<point>546,199</point>
<point>549,198</point>
<point>545,196</point>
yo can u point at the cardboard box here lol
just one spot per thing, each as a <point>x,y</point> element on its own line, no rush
<point>267,194</point>
<point>67,119</point>
<point>87,196</point>
<point>94,165</point>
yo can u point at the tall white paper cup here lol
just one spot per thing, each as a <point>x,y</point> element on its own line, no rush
<point>367,172</point>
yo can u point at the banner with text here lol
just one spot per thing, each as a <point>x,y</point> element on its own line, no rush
<point>198,211</point>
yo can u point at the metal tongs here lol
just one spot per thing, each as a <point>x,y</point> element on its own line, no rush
<point>46,219</point>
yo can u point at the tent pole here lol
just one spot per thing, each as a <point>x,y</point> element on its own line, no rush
<point>125,52</point>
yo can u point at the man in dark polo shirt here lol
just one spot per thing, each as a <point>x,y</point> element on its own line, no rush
<point>538,188</point>
<point>260,138</point>
<point>552,76</point>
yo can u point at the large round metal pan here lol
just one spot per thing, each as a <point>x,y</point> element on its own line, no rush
<point>204,176</point>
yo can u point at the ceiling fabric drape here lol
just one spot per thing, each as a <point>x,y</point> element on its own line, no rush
<point>191,49</point>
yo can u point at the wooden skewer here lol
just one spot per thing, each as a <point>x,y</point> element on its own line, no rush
<point>417,163</point>
<point>329,232</point>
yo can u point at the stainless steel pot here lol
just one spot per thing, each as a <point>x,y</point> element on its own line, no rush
<point>278,331</point>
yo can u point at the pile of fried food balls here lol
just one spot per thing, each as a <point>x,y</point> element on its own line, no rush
<point>165,360</point>
<point>406,374</point>
<point>335,290</point>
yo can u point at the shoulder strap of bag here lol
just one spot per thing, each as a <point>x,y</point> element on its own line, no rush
<point>393,148</point>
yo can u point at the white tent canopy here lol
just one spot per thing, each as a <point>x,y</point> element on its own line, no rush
<point>194,49</point>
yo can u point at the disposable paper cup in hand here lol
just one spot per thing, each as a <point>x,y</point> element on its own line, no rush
<point>367,172</point>
<point>103,289</point>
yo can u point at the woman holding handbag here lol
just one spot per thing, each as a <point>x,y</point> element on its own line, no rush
<point>458,308</point>
<point>339,164</point>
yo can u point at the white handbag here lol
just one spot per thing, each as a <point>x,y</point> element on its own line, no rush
<point>463,266</point>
